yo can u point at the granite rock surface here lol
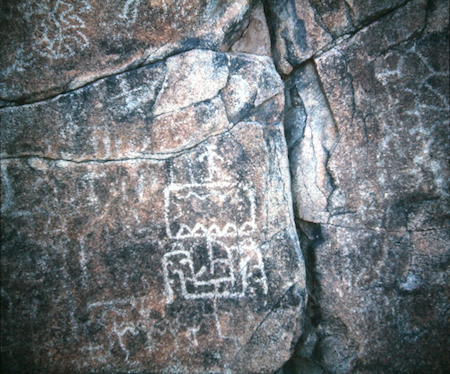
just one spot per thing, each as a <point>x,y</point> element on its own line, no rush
<point>256,38</point>
<point>147,207</point>
<point>367,124</point>
<point>53,46</point>
<point>147,223</point>
<point>303,28</point>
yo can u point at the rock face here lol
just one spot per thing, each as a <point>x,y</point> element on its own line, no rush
<point>161,185</point>
<point>368,130</point>
<point>147,223</point>
<point>256,38</point>
<point>302,28</point>
<point>52,46</point>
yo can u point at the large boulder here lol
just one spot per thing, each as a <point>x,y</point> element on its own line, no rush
<point>147,223</point>
<point>51,46</point>
<point>368,130</point>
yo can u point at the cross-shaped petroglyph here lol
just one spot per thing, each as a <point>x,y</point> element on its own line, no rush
<point>216,218</point>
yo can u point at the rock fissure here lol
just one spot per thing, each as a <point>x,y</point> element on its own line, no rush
<point>364,224</point>
<point>147,157</point>
<point>99,78</point>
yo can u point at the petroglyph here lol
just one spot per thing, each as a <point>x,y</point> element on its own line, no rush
<point>201,217</point>
<point>130,10</point>
<point>223,277</point>
<point>170,241</point>
<point>85,40</point>
<point>60,34</point>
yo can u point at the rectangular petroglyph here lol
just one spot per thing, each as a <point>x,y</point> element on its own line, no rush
<point>213,211</point>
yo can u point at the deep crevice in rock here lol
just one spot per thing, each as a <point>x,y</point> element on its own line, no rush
<point>307,352</point>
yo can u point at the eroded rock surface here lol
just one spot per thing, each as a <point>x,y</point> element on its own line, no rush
<point>51,46</point>
<point>377,240</point>
<point>147,217</point>
<point>147,223</point>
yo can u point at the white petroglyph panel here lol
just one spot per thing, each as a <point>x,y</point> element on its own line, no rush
<point>124,256</point>
<point>214,212</point>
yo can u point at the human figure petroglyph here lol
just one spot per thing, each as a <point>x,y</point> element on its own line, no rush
<point>217,216</point>
<point>213,170</point>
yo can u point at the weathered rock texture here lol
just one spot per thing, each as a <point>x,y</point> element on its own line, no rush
<point>148,217</point>
<point>147,223</point>
<point>256,38</point>
<point>52,46</point>
<point>368,130</point>
<point>302,28</point>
